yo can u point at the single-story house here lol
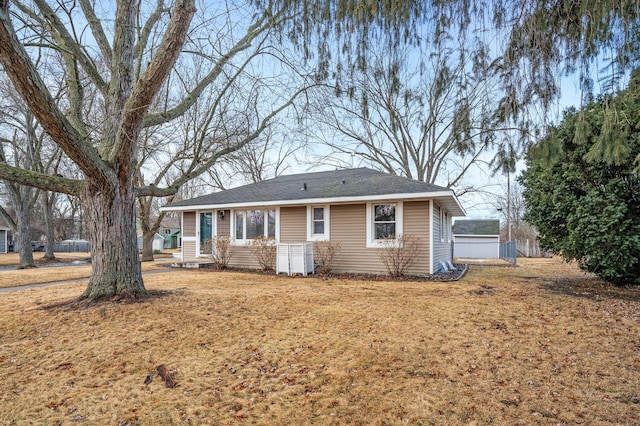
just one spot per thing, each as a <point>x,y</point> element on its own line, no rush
<point>157,243</point>
<point>4,237</point>
<point>359,209</point>
<point>476,239</point>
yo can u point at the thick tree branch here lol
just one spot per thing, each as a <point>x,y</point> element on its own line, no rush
<point>40,180</point>
<point>32,89</point>
<point>149,83</point>
<point>143,36</point>
<point>97,30</point>
<point>262,25</point>
<point>7,218</point>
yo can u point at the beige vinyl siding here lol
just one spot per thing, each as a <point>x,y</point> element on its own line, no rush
<point>224,225</point>
<point>416,223</point>
<point>441,250</point>
<point>293,224</point>
<point>189,224</point>
<point>189,251</point>
<point>241,257</point>
<point>348,228</point>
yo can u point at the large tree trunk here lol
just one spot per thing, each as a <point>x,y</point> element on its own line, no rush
<point>116,272</point>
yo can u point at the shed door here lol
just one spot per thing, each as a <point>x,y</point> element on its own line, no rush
<point>477,247</point>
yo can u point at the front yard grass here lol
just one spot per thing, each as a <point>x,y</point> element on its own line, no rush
<point>541,343</point>
<point>46,274</point>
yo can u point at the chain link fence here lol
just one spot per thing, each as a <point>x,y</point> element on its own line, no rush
<point>509,252</point>
<point>72,246</point>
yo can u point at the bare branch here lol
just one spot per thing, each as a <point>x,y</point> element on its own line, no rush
<point>32,89</point>
<point>149,83</point>
<point>67,42</point>
<point>97,30</point>
<point>262,25</point>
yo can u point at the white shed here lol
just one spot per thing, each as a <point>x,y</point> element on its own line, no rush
<point>4,243</point>
<point>476,239</point>
<point>4,240</point>
<point>158,242</point>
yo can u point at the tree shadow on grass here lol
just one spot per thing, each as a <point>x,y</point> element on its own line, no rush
<point>75,304</point>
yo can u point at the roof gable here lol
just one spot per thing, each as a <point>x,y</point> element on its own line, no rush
<point>476,227</point>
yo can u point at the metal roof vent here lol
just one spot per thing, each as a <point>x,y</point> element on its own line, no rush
<point>304,187</point>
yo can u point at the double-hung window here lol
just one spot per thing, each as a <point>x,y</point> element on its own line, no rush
<point>251,224</point>
<point>384,222</point>
<point>318,223</point>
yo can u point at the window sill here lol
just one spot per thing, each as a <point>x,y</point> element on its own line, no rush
<point>383,244</point>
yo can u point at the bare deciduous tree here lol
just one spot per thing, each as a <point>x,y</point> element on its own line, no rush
<point>425,116</point>
<point>125,53</point>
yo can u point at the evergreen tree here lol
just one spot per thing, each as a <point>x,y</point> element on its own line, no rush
<point>586,207</point>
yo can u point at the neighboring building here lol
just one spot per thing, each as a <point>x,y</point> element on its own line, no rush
<point>476,239</point>
<point>356,208</point>
<point>157,244</point>
<point>170,230</point>
<point>4,237</point>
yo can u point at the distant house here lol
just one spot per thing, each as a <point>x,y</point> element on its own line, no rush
<point>170,230</point>
<point>356,208</point>
<point>4,237</point>
<point>476,239</point>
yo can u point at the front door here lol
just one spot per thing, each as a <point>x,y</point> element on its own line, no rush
<point>206,232</point>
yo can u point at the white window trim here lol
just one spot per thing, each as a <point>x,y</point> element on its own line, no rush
<point>445,233</point>
<point>327,232</point>
<point>244,241</point>
<point>371,243</point>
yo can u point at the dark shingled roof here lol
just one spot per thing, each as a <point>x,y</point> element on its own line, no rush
<point>330,184</point>
<point>476,227</point>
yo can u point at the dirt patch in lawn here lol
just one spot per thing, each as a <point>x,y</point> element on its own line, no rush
<point>500,346</point>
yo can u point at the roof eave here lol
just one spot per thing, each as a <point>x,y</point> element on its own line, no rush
<point>455,208</point>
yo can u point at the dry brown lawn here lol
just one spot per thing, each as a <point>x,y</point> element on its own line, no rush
<point>14,259</point>
<point>538,344</point>
<point>46,274</point>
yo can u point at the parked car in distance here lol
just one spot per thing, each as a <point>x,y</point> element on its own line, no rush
<point>37,246</point>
